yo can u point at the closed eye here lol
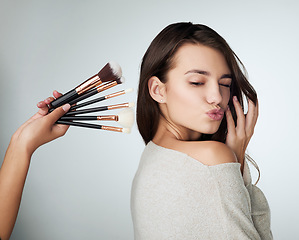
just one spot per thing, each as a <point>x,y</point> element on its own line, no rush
<point>225,85</point>
<point>196,83</point>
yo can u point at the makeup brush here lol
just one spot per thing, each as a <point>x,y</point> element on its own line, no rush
<point>95,126</point>
<point>125,118</point>
<point>99,89</point>
<point>116,94</point>
<point>98,109</point>
<point>91,93</point>
<point>111,71</point>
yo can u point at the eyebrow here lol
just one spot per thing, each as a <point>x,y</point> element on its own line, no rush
<point>206,73</point>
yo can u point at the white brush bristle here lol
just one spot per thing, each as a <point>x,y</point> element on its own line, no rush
<point>126,117</point>
<point>122,79</point>
<point>126,130</point>
<point>116,69</point>
<point>129,90</point>
<point>131,104</point>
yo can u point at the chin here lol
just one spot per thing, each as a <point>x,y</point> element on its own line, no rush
<point>211,130</point>
<point>207,128</point>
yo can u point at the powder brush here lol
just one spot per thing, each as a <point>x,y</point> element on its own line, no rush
<point>111,71</point>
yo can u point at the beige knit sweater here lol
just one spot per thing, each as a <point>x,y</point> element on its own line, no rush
<point>176,197</point>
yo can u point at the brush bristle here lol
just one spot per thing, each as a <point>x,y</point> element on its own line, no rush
<point>116,69</point>
<point>131,104</point>
<point>120,80</point>
<point>126,130</point>
<point>126,117</point>
<point>129,90</point>
<point>111,71</point>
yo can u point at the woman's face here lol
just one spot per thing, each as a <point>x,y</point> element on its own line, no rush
<point>197,91</point>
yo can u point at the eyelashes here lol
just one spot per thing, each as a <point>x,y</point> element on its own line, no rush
<point>197,83</point>
<point>225,85</point>
<point>200,84</point>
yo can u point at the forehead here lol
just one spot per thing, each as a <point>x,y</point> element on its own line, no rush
<point>197,56</point>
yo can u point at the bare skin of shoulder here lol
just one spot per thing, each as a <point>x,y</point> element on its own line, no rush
<point>207,152</point>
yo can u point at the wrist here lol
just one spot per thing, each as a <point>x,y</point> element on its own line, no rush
<point>19,147</point>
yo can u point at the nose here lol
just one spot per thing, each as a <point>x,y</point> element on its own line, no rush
<point>213,94</point>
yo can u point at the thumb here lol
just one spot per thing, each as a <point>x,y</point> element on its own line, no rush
<point>58,113</point>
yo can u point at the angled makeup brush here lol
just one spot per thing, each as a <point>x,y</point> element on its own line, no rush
<point>95,126</point>
<point>98,89</point>
<point>98,109</point>
<point>116,94</point>
<point>111,71</point>
<point>125,118</point>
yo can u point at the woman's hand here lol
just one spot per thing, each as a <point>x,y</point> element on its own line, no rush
<point>41,127</point>
<point>239,136</point>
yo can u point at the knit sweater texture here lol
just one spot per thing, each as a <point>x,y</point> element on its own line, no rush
<point>174,196</point>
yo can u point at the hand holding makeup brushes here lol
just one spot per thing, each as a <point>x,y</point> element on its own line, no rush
<point>109,76</point>
<point>40,129</point>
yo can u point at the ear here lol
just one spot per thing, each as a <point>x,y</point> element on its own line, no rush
<point>157,89</point>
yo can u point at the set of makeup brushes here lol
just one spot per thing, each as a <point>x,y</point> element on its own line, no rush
<point>109,76</point>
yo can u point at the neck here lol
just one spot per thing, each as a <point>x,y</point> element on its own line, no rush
<point>168,129</point>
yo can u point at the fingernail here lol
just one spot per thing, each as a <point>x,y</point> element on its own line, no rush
<point>66,107</point>
<point>235,98</point>
<point>39,104</point>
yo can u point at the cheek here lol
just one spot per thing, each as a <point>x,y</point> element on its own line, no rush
<point>182,98</point>
<point>179,95</point>
<point>225,97</point>
<point>183,104</point>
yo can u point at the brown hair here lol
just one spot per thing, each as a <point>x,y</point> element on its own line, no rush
<point>158,60</point>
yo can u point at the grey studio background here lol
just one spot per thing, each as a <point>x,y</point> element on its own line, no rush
<point>78,186</point>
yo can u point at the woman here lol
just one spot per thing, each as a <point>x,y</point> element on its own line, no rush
<point>38,130</point>
<point>189,182</point>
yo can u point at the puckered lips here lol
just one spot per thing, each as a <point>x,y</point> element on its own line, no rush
<point>216,114</point>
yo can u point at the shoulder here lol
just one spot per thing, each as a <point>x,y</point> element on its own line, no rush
<point>207,152</point>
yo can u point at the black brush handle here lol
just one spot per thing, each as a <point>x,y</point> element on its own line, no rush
<point>84,96</point>
<point>88,103</point>
<point>79,124</point>
<point>78,118</point>
<point>65,98</point>
<point>89,110</point>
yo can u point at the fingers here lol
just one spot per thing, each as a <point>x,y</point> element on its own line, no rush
<point>251,117</point>
<point>57,94</point>
<point>43,105</point>
<point>240,115</point>
<point>58,130</point>
<point>246,123</point>
<point>239,136</point>
<point>58,113</point>
<point>49,100</point>
<point>230,122</point>
<point>43,108</point>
